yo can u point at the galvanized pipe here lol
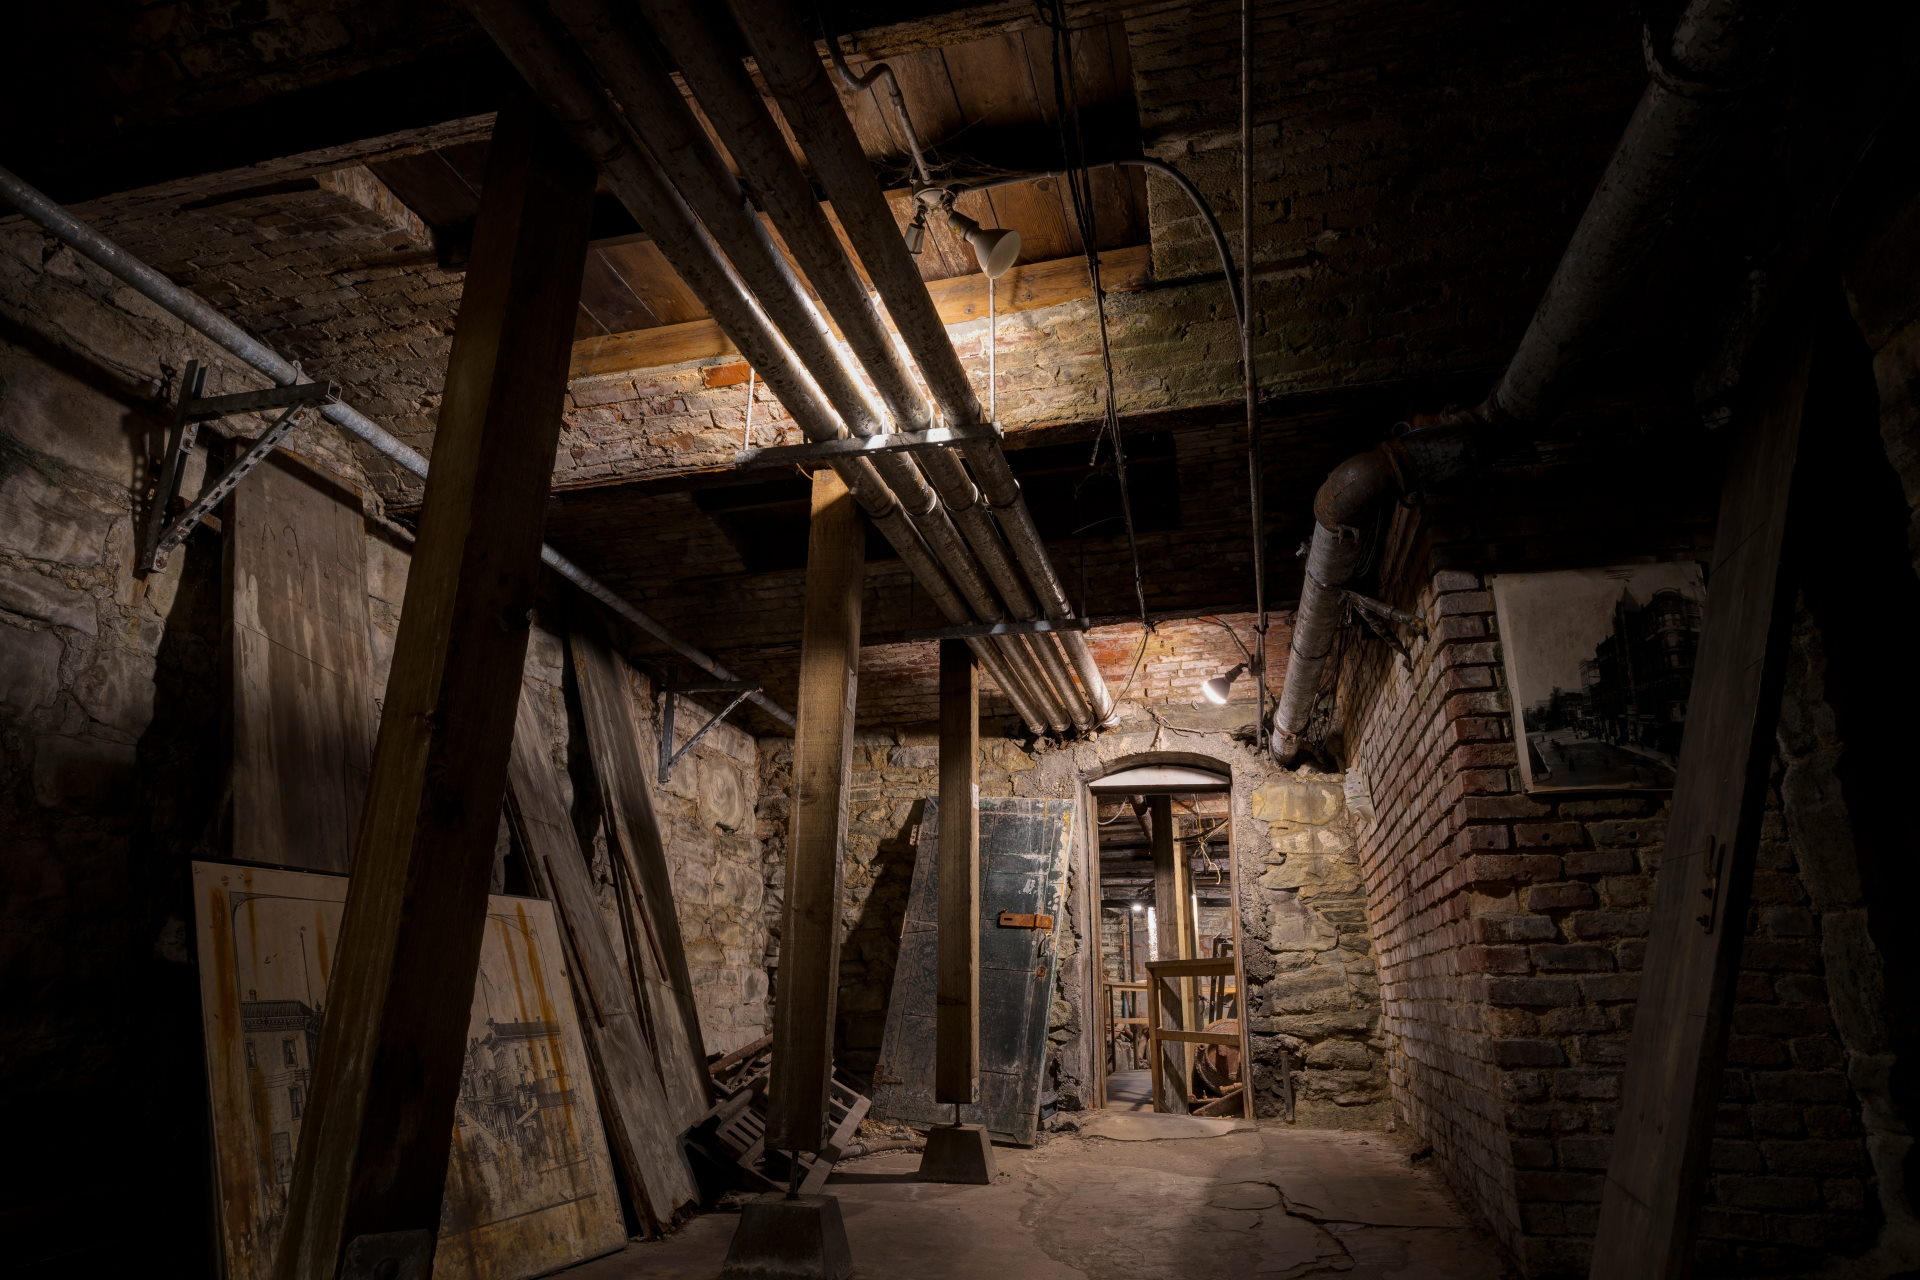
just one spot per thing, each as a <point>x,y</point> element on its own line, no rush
<point>1718,47</point>
<point>565,86</point>
<point>639,83</point>
<point>788,62</point>
<point>693,40</point>
<point>229,336</point>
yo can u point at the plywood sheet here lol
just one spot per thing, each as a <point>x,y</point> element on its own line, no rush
<point>1023,859</point>
<point>530,1187</point>
<point>302,698</point>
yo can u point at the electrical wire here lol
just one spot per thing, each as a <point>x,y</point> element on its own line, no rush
<point>1080,192</point>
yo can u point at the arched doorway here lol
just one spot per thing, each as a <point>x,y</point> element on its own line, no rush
<point>1166,985</point>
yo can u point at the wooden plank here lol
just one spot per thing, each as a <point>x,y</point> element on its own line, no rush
<point>962,298</point>
<point>1195,1037</point>
<point>1686,992</point>
<point>957,1055</point>
<point>1173,923</point>
<point>300,667</point>
<point>625,1074</point>
<point>803,1011</point>
<point>660,961</point>
<point>390,1059</point>
<point>267,946</point>
<point>1024,848</point>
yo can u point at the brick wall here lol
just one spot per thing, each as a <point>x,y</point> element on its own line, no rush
<point>1511,931</point>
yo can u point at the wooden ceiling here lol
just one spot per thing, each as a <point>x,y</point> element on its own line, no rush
<point>981,108</point>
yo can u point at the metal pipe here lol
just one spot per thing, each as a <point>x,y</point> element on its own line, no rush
<point>224,333</point>
<point>881,71</point>
<point>1718,47</point>
<point>786,59</point>
<point>640,82</point>
<point>632,172</point>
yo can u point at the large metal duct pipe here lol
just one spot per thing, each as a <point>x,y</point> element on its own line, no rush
<point>1717,49</point>
<point>693,38</point>
<point>566,88</point>
<point>230,337</point>
<point>790,65</point>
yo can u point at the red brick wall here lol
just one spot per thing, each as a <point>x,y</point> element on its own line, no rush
<point>1510,932</point>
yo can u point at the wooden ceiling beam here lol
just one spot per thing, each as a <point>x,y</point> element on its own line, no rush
<point>964,298</point>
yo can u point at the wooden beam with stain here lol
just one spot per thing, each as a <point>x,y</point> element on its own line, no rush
<point>963,298</point>
<point>369,1174</point>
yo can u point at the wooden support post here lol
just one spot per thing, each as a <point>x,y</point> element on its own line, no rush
<point>1674,1060</point>
<point>1173,920</point>
<point>957,1017</point>
<point>370,1169</point>
<point>803,1011</point>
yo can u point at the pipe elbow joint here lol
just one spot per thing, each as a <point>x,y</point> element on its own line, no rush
<point>1355,487</point>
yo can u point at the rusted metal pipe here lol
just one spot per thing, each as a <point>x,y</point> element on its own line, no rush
<point>1718,48</point>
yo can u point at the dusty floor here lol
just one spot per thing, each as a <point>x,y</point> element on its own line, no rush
<point>1126,1199</point>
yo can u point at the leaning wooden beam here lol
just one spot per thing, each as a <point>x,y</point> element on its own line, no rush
<point>956,1069</point>
<point>660,962</point>
<point>1680,1021</point>
<point>1024,288</point>
<point>370,1171</point>
<point>632,1099</point>
<point>822,760</point>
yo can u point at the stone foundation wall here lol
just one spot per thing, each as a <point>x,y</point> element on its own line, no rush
<point>1309,970</point>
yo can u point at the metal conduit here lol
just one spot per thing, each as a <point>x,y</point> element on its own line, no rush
<point>693,39</point>
<point>1717,49</point>
<point>789,63</point>
<point>639,84</point>
<point>565,86</point>
<point>229,336</point>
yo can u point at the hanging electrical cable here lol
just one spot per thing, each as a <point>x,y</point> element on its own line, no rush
<point>1256,477</point>
<point>1080,193</point>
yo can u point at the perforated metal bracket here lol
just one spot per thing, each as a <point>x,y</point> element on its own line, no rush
<point>165,531</point>
<point>669,696</point>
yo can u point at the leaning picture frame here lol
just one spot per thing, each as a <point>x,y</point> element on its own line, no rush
<point>1599,665</point>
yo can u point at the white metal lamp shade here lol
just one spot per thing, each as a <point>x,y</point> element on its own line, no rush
<point>995,247</point>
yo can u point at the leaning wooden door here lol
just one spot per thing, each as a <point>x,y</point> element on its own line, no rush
<point>1023,862</point>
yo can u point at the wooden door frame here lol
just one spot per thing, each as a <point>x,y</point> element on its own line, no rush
<point>1093,976</point>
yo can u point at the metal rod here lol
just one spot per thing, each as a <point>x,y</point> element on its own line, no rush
<point>861,446</point>
<point>1036,626</point>
<point>225,333</point>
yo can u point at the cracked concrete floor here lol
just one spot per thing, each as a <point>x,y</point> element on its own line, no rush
<point>1120,1201</point>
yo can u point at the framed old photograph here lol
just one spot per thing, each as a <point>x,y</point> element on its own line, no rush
<point>1599,665</point>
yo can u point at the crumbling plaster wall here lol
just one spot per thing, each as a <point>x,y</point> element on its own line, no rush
<point>1308,959</point>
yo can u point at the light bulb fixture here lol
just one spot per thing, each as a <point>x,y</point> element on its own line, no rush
<point>1219,687</point>
<point>994,247</point>
<point>1138,907</point>
<point>917,231</point>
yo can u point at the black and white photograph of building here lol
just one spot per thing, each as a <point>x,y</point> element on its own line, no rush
<point>1599,664</point>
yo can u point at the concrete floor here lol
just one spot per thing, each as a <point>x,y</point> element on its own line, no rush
<point>1134,1197</point>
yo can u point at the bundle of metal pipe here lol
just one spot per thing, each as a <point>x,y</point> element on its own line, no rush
<point>223,332</point>
<point>598,71</point>
<point>1717,49</point>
